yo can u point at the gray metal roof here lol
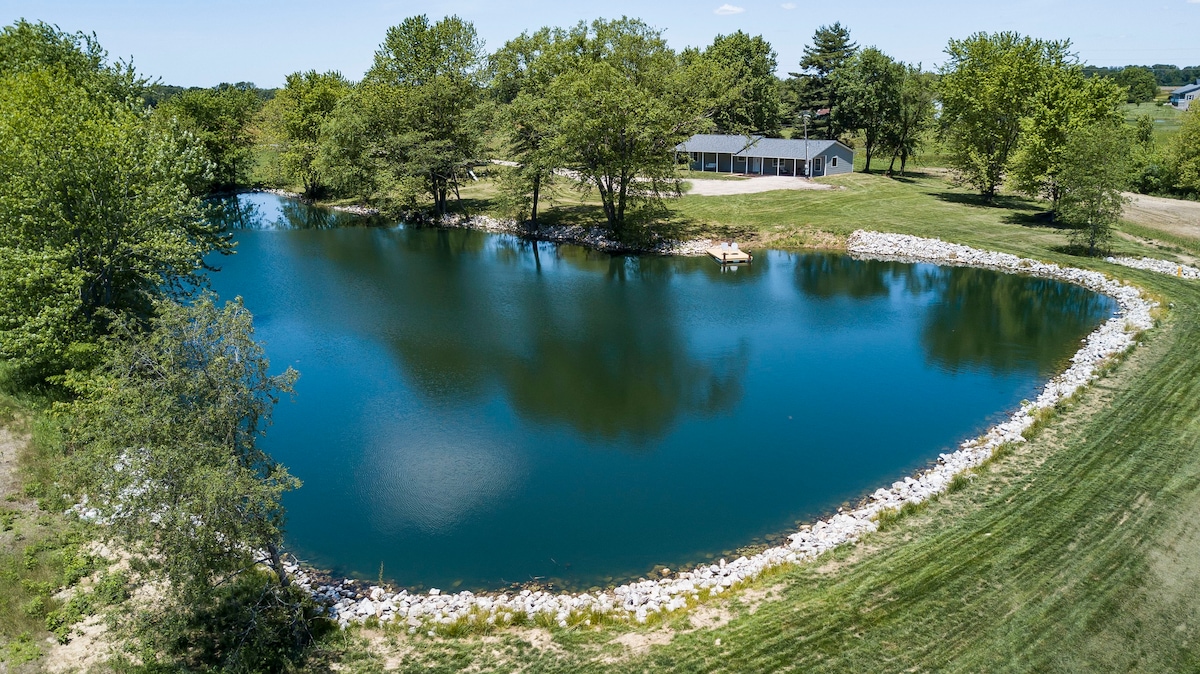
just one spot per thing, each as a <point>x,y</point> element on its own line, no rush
<point>1186,89</point>
<point>753,146</point>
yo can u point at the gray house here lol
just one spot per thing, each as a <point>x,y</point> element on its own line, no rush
<point>756,155</point>
<point>1182,97</point>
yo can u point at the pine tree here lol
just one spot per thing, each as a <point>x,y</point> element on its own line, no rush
<point>831,48</point>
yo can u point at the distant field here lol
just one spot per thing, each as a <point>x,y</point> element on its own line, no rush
<point>1167,120</point>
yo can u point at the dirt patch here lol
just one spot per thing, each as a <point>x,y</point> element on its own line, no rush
<point>392,651</point>
<point>11,445</point>
<point>753,598</point>
<point>640,642</point>
<point>710,617</point>
<point>87,648</point>
<point>541,640</point>
<point>637,643</point>
<point>1172,216</point>
<point>721,188</point>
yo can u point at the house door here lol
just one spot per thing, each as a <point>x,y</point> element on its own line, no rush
<point>818,166</point>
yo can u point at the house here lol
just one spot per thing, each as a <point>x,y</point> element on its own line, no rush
<point>1182,97</point>
<point>756,155</point>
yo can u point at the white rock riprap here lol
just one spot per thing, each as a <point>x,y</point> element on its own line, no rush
<point>349,603</point>
<point>1160,266</point>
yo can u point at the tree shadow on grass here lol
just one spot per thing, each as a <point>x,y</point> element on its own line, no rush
<point>1038,219</point>
<point>1002,201</point>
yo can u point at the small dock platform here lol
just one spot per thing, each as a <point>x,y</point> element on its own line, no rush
<point>730,255</point>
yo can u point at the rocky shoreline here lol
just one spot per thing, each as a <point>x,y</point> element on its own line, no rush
<point>350,601</point>
<point>1160,266</point>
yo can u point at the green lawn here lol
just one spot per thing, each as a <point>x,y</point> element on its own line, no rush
<point>1167,120</point>
<point>1076,552</point>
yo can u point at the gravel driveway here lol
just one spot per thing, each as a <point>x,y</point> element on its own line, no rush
<point>718,188</point>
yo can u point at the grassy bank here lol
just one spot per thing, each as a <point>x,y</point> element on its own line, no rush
<point>41,553</point>
<point>1073,552</point>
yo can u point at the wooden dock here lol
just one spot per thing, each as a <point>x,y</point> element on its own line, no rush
<point>728,255</point>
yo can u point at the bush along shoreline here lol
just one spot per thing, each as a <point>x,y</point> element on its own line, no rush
<point>355,602</point>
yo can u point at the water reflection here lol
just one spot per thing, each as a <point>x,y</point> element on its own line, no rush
<point>977,318</point>
<point>584,349</point>
<point>262,211</point>
<point>1004,321</point>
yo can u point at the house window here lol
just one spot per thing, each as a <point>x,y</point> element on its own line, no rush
<point>833,162</point>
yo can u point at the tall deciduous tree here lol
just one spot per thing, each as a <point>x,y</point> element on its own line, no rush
<point>522,72</point>
<point>623,105</point>
<point>27,47</point>
<point>1185,152</point>
<point>220,118</point>
<point>988,86</point>
<point>96,216</point>
<point>867,89</point>
<point>1140,85</point>
<point>1064,102</point>
<point>812,87</point>
<point>1095,172</point>
<point>753,102</point>
<point>915,117</point>
<point>430,75</point>
<point>292,123</point>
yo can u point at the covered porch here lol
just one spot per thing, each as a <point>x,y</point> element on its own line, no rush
<point>735,164</point>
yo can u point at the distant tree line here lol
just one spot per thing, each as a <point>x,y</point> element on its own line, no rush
<point>1164,75</point>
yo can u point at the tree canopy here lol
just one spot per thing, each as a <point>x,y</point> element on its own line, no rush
<point>220,118</point>
<point>747,64</point>
<point>164,439</point>
<point>623,104</point>
<point>96,217</point>
<point>1065,102</point>
<point>292,123</point>
<point>988,85</point>
<point>867,88</point>
<point>1095,171</point>
<point>427,78</point>
<point>1139,82</point>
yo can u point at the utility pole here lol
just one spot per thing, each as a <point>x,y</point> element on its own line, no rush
<point>806,115</point>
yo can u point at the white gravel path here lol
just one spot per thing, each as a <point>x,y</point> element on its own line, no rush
<point>720,188</point>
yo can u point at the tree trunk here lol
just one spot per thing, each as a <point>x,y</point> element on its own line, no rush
<point>277,564</point>
<point>537,185</point>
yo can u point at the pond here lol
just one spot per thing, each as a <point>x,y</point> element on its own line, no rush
<point>476,410</point>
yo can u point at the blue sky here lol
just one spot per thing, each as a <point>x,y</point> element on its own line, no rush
<point>204,43</point>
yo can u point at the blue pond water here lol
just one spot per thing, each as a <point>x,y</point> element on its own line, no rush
<point>475,410</point>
